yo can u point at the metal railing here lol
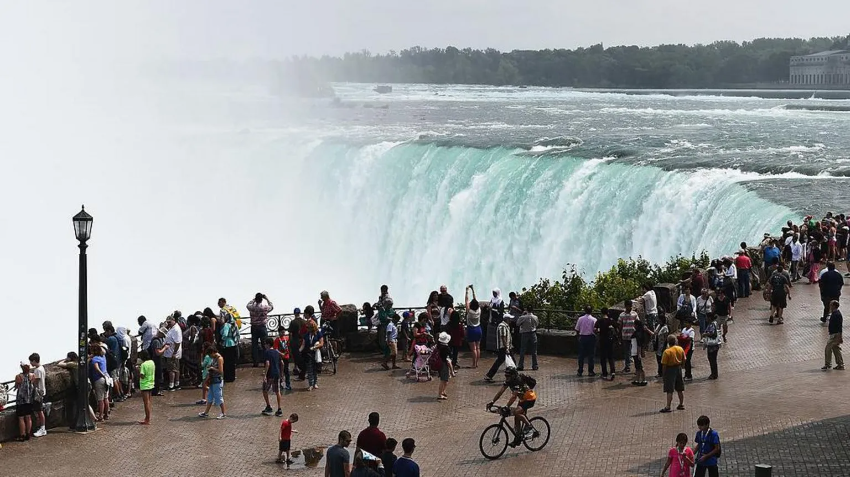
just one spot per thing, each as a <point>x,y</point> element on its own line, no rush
<point>9,387</point>
<point>550,318</point>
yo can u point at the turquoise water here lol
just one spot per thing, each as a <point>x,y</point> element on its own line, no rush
<point>423,214</point>
<point>206,191</point>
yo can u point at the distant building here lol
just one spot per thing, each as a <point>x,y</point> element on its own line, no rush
<point>827,68</point>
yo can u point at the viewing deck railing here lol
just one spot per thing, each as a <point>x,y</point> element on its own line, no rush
<point>550,319</point>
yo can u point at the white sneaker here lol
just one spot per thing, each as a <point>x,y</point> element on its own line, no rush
<point>221,416</point>
<point>41,432</point>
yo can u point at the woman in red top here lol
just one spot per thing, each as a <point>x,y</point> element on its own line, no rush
<point>207,333</point>
<point>457,333</point>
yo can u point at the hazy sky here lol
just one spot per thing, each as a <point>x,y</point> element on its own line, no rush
<point>275,28</point>
<point>79,126</point>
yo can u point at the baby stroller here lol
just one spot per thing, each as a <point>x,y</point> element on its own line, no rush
<point>421,368</point>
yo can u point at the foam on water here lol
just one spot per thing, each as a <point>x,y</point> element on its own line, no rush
<point>416,215</point>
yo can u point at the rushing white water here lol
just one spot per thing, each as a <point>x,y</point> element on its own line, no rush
<point>201,195</point>
<point>417,215</point>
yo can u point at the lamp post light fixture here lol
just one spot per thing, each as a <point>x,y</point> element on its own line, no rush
<point>82,230</point>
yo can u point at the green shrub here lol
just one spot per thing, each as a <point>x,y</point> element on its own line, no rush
<point>622,282</point>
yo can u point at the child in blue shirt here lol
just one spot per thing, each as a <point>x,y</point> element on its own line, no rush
<point>707,448</point>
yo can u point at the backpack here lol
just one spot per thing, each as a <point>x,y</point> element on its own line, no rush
<point>234,313</point>
<point>777,281</point>
<point>529,381</point>
<point>234,332</point>
<point>110,360</point>
<point>686,311</point>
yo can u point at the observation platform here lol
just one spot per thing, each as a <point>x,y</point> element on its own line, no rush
<point>771,405</point>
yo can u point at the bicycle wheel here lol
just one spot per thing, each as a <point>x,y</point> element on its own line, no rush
<point>493,442</point>
<point>334,356</point>
<point>540,434</point>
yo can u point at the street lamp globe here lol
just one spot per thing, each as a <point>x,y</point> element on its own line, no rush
<point>82,225</point>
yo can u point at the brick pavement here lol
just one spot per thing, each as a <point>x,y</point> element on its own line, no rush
<point>772,404</point>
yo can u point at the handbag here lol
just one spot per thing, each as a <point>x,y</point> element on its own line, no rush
<point>509,362</point>
<point>318,356</point>
<point>712,342</point>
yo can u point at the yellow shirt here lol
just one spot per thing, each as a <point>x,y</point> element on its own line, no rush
<point>673,356</point>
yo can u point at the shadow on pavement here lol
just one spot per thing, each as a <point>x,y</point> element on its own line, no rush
<point>815,448</point>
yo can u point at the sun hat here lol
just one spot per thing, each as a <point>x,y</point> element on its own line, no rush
<point>25,363</point>
<point>445,338</point>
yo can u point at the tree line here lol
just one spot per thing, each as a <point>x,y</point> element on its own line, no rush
<point>716,65</point>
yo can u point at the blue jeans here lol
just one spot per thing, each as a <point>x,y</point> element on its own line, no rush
<point>312,371</point>
<point>285,365</point>
<point>258,334</point>
<point>627,352</point>
<point>528,344</point>
<point>215,395</point>
<point>743,283</point>
<point>586,349</point>
<point>701,319</point>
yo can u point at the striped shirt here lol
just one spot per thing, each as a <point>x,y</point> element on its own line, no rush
<point>503,336</point>
<point>627,324</point>
<point>259,312</point>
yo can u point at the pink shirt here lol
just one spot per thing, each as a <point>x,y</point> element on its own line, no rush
<point>584,325</point>
<point>680,467</point>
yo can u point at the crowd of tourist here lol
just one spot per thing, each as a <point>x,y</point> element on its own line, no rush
<point>202,350</point>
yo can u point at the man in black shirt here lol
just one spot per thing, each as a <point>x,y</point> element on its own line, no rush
<point>444,302</point>
<point>606,330</point>
<point>833,345</point>
<point>830,284</point>
<point>295,343</point>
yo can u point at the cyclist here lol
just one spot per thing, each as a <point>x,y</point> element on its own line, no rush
<point>522,389</point>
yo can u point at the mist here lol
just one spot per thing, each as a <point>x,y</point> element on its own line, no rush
<point>187,208</point>
<point>158,116</point>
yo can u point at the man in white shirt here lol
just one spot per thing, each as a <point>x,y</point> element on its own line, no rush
<point>146,333</point>
<point>527,324</point>
<point>173,353</point>
<point>796,256</point>
<point>40,392</point>
<point>650,305</point>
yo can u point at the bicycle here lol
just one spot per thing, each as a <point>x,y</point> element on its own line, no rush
<point>330,352</point>
<point>494,439</point>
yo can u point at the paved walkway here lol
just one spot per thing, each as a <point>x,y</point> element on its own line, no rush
<point>772,404</point>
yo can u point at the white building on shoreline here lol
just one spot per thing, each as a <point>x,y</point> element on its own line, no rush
<point>824,69</point>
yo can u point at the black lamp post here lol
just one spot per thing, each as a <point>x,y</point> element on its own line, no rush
<point>82,229</point>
